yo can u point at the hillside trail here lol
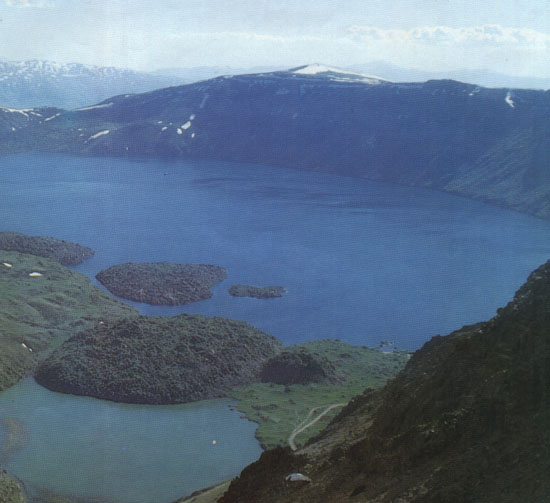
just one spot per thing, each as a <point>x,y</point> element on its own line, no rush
<point>302,427</point>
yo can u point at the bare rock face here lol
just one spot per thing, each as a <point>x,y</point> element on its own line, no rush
<point>65,252</point>
<point>158,360</point>
<point>162,283</point>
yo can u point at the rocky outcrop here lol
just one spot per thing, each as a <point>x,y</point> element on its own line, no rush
<point>263,292</point>
<point>162,283</point>
<point>466,420</point>
<point>158,360</point>
<point>64,252</point>
<point>298,367</point>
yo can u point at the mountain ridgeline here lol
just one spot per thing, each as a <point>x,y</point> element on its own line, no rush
<point>34,83</point>
<point>487,144</point>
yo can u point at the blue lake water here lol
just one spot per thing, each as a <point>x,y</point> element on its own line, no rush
<point>362,261</point>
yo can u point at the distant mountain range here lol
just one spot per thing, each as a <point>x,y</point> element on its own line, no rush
<point>393,73</point>
<point>485,78</point>
<point>488,144</point>
<point>25,84</point>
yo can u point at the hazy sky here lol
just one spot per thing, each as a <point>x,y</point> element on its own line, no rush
<point>511,37</point>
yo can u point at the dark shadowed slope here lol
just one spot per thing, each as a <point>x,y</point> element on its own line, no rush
<point>467,420</point>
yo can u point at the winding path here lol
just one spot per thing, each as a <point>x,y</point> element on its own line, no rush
<point>302,427</point>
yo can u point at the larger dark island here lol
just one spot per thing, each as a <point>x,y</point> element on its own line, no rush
<point>162,283</point>
<point>158,360</point>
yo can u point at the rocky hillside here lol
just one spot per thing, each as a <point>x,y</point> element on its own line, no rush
<point>41,304</point>
<point>466,420</point>
<point>489,144</point>
<point>158,360</point>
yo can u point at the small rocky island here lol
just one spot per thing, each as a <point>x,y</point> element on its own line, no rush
<point>158,360</point>
<point>162,283</point>
<point>65,252</point>
<point>264,292</point>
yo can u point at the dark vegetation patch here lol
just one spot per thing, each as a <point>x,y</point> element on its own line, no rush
<point>64,252</point>
<point>274,465</point>
<point>162,283</point>
<point>158,360</point>
<point>264,292</point>
<point>298,367</point>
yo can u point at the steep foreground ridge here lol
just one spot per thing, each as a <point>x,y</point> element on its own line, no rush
<point>488,144</point>
<point>466,420</point>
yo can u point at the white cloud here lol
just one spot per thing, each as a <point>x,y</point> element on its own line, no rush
<point>487,34</point>
<point>25,3</point>
<point>235,35</point>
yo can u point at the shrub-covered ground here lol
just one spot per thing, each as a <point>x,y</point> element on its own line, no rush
<point>158,360</point>
<point>10,491</point>
<point>258,292</point>
<point>162,283</point>
<point>64,252</point>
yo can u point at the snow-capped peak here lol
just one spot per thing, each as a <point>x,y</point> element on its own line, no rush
<point>336,74</point>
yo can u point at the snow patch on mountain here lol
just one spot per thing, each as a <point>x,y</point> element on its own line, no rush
<point>52,117</point>
<point>97,135</point>
<point>22,111</point>
<point>105,105</point>
<point>509,100</point>
<point>336,74</point>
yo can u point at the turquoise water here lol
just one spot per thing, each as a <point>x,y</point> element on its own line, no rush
<point>122,453</point>
<point>361,261</point>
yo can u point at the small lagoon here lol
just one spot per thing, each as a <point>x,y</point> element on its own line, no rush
<point>94,449</point>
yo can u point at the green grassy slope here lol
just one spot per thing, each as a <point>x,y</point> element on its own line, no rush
<point>279,409</point>
<point>37,313</point>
